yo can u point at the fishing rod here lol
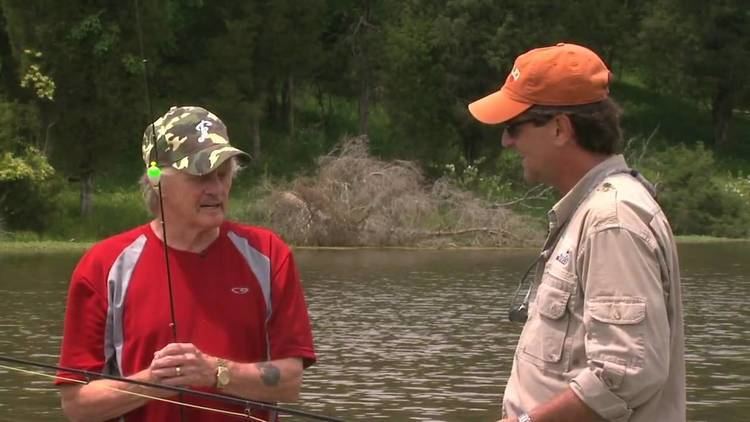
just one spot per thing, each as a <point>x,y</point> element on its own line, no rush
<point>225,398</point>
<point>154,173</point>
<point>154,176</point>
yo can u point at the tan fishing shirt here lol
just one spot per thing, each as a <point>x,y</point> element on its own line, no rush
<point>606,318</point>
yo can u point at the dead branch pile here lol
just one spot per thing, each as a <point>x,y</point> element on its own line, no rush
<point>357,200</point>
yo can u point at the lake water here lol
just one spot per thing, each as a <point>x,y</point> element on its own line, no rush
<point>408,335</point>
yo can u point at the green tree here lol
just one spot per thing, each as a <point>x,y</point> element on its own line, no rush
<point>700,50</point>
<point>28,190</point>
<point>91,53</point>
<point>252,58</point>
<point>440,55</point>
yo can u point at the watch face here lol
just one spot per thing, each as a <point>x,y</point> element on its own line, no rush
<point>223,376</point>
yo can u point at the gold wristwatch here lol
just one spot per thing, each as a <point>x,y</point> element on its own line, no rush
<point>222,373</point>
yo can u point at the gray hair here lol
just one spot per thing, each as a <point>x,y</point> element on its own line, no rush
<point>150,194</point>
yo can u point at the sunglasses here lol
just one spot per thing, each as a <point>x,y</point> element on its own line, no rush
<point>513,128</point>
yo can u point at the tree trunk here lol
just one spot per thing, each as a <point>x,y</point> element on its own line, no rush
<point>87,192</point>
<point>256,137</point>
<point>364,72</point>
<point>48,139</point>
<point>721,110</point>
<point>364,103</point>
<point>470,147</point>
<point>272,100</point>
<point>290,104</point>
<point>48,120</point>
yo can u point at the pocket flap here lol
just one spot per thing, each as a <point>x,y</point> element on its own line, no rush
<point>551,301</point>
<point>618,310</point>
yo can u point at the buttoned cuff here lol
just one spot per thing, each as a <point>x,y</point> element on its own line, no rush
<point>597,395</point>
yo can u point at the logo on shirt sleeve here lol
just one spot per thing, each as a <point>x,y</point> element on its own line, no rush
<point>563,257</point>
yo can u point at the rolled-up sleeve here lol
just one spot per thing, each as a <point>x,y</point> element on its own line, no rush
<point>626,322</point>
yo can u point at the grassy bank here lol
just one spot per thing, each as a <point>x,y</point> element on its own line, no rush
<point>707,239</point>
<point>53,246</point>
<point>42,246</point>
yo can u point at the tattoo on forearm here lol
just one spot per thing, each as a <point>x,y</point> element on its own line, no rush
<point>269,374</point>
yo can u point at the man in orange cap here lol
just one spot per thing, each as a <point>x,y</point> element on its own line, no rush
<point>603,336</point>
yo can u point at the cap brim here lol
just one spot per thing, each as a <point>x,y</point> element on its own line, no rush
<point>207,160</point>
<point>496,108</point>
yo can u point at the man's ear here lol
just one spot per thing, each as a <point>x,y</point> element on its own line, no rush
<point>564,131</point>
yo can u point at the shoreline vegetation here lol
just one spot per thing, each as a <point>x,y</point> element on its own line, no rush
<point>72,113</point>
<point>61,246</point>
<point>351,200</point>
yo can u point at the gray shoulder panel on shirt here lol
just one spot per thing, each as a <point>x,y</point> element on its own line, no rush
<point>259,264</point>
<point>118,281</point>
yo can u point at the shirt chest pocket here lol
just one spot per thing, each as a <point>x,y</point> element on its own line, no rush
<point>545,332</point>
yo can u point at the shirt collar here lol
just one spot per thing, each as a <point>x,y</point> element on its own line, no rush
<point>565,207</point>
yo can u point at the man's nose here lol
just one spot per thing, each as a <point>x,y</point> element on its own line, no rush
<point>212,182</point>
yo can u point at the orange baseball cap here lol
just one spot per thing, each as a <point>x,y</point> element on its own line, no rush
<point>560,75</point>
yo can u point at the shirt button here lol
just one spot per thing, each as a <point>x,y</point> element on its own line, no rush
<point>616,315</point>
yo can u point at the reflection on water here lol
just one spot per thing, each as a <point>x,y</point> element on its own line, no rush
<point>408,335</point>
<point>32,295</point>
<point>718,329</point>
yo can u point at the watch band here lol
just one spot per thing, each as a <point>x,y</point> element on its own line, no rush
<point>524,418</point>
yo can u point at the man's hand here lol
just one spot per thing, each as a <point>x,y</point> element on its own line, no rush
<point>183,364</point>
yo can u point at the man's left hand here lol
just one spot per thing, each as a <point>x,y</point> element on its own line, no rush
<point>181,364</point>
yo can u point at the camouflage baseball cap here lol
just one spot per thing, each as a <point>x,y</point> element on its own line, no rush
<point>190,139</point>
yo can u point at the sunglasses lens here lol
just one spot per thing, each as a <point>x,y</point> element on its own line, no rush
<point>512,129</point>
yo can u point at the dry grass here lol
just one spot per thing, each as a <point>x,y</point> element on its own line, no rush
<point>357,200</point>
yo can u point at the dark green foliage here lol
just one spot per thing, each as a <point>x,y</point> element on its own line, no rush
<point>700,50</point>
<point>696,197</point>
<point>28,184</point>
<point>29,205</point>
<point>113,212</point>
<point>291,79</point>
<point>28,191</point>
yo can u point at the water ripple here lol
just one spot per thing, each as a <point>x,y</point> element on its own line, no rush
<point>410,336</point>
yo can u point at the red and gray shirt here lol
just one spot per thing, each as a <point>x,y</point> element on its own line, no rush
<point>240,299</point>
